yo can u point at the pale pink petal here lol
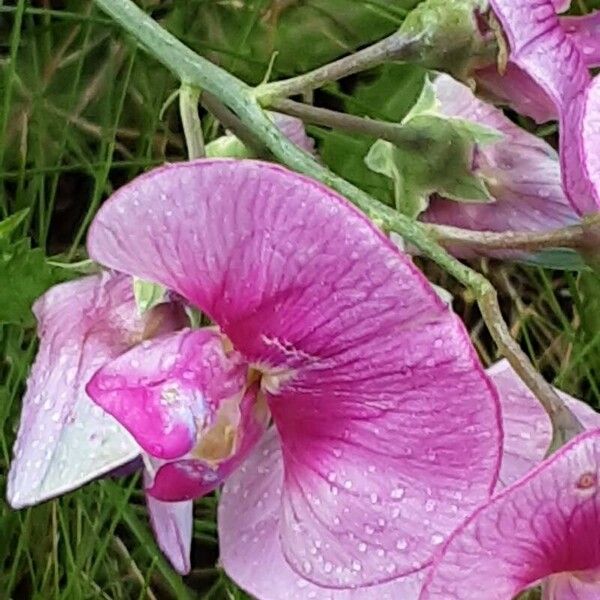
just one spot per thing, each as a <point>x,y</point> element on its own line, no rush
<point>541,48</point>
<point>527,427</point>
<point>390,427</point>
<point>521,170</point>
<point>546,523</point>
<point>172,525</point>
<point>585,32</point>
<point>249,519</point>
<point>516,89</point>
<point>166,389</point>
<point>64,439</point>
<point>568,586</point>
<point>294,130</point>
<point>561,5</point>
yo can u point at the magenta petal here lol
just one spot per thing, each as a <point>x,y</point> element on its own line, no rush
<point>64,439</point>
<point>591,133</point>
<point>388,422</point>
<point>546,523</point>
<point>172,525</point>
<point>192,478</point>
<point>165,390</point>
<point>527,427</point>
<point>516,89</point>
<point>249,521</point>
<point>522,172</point>
<point>585,32</point>
<point>541,48</point>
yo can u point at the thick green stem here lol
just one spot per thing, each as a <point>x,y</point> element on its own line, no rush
<point>196,71</point>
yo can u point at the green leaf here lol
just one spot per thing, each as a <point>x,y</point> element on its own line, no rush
<point>8,225</point>
<point>385,158</point>
<point>147,294</point>
<point>562,259</point>
<point>433,154</point>
<point>28,276</point>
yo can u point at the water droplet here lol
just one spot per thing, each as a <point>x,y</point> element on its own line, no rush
<point>306,567</point>
<point>401,544</point>
<point>397,493</point>
<point>362,547</point>
<point>437,539</point>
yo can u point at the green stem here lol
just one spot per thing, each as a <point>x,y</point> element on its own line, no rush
<point>192,126</point>
<point>394,47</point>
<point>197,71</point>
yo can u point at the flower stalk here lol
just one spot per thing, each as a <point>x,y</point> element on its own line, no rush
<point>192,126</point>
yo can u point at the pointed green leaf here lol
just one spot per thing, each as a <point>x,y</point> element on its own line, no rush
<point>147,294</point>
<point>8,225</point>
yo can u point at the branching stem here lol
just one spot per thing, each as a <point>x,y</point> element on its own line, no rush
<point>197,71</point>
<point>394,47</point>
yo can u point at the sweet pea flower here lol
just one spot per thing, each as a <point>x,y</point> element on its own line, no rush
<point>516,87</point>
<point>521,172</point>
<point>323,326</point>
<point>543,52</point>
<point>64,439</point>
<point>542,529</point>
<point>389,428</point>
<point>249,510</point>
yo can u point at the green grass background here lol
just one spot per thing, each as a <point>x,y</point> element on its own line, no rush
<point>81,112</point>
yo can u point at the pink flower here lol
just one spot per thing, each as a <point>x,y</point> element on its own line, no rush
<point>249,511</point>
<point>374,389</point>
<point>521,172</point>
<point>64,440</point>
<point>518,89</point>
<point>544,528</point>
<point>553,78</point>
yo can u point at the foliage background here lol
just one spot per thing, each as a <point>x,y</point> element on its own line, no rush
<point>83,111</point>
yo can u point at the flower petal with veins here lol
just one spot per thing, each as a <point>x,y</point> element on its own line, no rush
<point>172,524</point>
<point>515,88</point>
<point>545,524</point>
<point>585,32</point>
<point>64,440</point>
<point>591,133</point>
<point>249,520</point>
<point>389,426</point>
<point>540,48</point>
<point>527,426</point>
